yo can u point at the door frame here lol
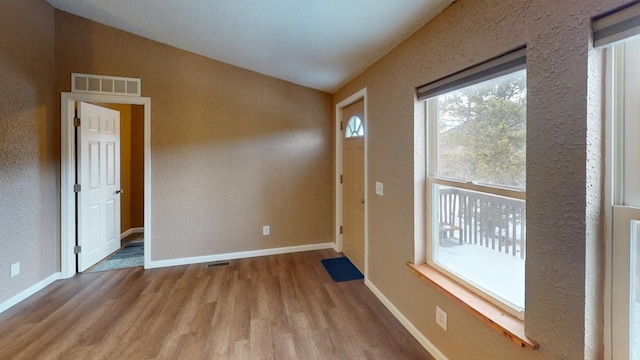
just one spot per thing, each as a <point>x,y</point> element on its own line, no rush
<point>68,259</point>
<point>359,95</point>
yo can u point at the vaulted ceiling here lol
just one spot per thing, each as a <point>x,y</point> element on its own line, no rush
<point>321,44</point>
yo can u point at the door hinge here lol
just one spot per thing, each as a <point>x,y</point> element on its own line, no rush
<point>340,229</point>
<point>77,249</point>
<point>76,121</point>
<point>76,188</point>
<point>340,179</point>
<point>340,125</point>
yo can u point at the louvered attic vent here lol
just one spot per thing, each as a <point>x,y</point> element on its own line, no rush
<point>101,84</point>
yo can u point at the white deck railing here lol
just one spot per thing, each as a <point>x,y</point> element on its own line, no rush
<point>494,222</point>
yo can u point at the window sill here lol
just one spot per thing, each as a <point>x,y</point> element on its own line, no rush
<point>506,324</point>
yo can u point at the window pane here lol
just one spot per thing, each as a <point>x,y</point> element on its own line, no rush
<point>630,172</point>
<point>355,128</point>
<point>482,130</point>
<point>635,292</point>
<point>481,239</point>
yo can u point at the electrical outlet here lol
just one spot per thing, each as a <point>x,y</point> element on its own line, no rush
<point>441,318</point>
<point>379,188</point>
<point>15,269</point>
<point>266,230</point>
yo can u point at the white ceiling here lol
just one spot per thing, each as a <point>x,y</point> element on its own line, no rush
<point>321,44</point>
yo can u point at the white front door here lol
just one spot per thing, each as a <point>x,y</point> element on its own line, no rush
<point>99,179</point>
<point>353,184</point>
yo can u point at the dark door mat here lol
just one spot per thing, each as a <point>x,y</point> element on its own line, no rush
<point>341,269</point>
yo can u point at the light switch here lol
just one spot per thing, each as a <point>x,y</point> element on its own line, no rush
<point>379,189</point>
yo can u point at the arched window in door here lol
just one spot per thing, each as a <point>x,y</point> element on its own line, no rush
<point>355,128</point>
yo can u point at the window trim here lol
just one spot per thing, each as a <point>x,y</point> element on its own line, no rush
<point>507,63</point>
<point>493,316</point>
<point>507,325</point>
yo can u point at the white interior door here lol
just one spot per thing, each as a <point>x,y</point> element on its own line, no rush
<point>99,179</point>
<point>353,184</point>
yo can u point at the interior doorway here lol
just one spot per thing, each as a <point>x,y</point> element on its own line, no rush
<point>128,221</point>
<point>69,222</point>
<point>351,179</point>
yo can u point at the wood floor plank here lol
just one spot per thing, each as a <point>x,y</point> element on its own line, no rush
<point>259,298</point>
<point>240,321</point>
<point>55,326</point>
<point>283,347</point>
<point>302,337</point>
<point>130,327</point>
<point>289,295</point>
<point>239,350</point>
<point>274,307</point>
<point>219,279</point>
<point>261,341</point>
<point>175,347</point>
<point>276,311</point>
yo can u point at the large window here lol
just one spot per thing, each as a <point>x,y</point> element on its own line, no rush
<point>616,31</point>
<point>476,178</point>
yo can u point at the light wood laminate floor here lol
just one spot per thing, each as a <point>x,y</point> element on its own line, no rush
<point>272,307</point>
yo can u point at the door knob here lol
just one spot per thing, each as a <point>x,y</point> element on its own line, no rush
<point>120,191</point>
<point>362,201</point>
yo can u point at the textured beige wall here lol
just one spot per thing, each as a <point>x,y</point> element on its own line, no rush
<point>231,150</point>
<point>137,166</point>
<point>29,145</point>
<point>564,271</point>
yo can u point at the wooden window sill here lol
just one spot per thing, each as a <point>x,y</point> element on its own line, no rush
<point>502,322</point>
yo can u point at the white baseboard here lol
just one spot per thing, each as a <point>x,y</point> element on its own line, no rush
<point>30,291</point>
<point>237,255</point>
<point>406,323</point>
<point>131,231</point>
